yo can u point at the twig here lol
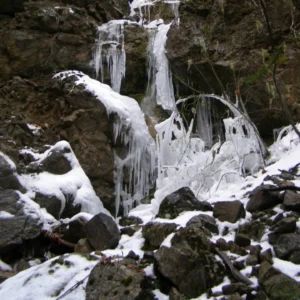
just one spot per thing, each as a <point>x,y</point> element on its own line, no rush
<point>55,237</point>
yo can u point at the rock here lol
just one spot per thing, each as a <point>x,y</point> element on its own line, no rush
<point>286,225</point>
<point>291,201</point>
<point>204,221</point>
<point>74,231</point>
<point>154,233</point>
<point>83,246</point>
<point>286,244</point>
<point>175,295</point>
<point>130,220</point>
<point>21,265</point>
<point>8,178</point>
<point>266,256</point>
<point>180,201</point>
<point>229,211</point>
<point>52,204</point>
<point>102,232</point>
<point>242,240</point>
<point>56,163</point>
<point>261,199</point>
<point>222,244</point>
<point>276,284</point>
<point>237,287</point>
<point>253,229</point>
<point>234,248</point>
<point>252,260</point>
<point>128,231</point>
<point>121,280</point>
<point>11,6</point>
<point>189,263</point>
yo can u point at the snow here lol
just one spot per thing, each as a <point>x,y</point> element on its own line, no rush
<point>74,184</point>
<point>5,215</point>
<point>287,267</point>
<point>5,267</point>
<point>49,280</point>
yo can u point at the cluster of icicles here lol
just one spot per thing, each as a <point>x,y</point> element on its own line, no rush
<point>179,158</point>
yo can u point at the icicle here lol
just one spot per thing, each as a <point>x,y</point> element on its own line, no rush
<point>204,122</point>
<point>110,50</point>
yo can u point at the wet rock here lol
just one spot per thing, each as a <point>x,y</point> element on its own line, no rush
<point>261,199</point>
<point>52,204</point>
<point>180,201</point>
<point>102,232</point>
<point>229,211</point>
<point>204,221</point>
<point>286,225</point>
<point>121,280</point>
<point>276,284</point>
<point>154,233</point>
<point>291,201</point>
<point>242,240</point>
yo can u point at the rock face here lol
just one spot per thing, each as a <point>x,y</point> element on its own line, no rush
<point>102,232</point>
<point>180,201</point>
<point>11,6</point>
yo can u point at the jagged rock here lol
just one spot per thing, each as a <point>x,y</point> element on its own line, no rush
<point>189,263</point>
<point>154,233</point>
<point>102,232</point>
<point>130,220</point>
<point>83,246</point>
<point>286,225</point>
<point>56,163</point>
<point>229,211</point>
<point>204,221</point>
<point>285,244</point>
<point>121,280</point>
<point>276,284</point>
<point>291,201</point>
<point>52,204</point>
<point>8,178</point>
<point>262,199</point>
<point>180,201</point>
<point>242,240</point>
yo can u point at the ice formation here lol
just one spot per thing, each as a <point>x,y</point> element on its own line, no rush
<point>131,130</point>
<point>110,52</point>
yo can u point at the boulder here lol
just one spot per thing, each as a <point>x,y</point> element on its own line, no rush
<point>8,178</point>
<point>285,244</point>
<point>229,211</point>
<point>291,201</point>
<point>52,204</point>
<point>102,232</point>
<point>120,280</point>
<point>180,201</point>
<point>261,199</point>
<point>204,221</point>
<point>154,233</point>
<point>286,225</point>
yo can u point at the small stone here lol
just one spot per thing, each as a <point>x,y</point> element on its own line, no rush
<point>266,256</point>
<point>83,246</point>
<point>222,244</point>
<point>292,201</point>
<point>286,225</point>
<point>237,287</point>
<point>130,220</point>
<point>128,231</point>
<point>242,240</point>
<point>252,260</point>
<point>229,211</point>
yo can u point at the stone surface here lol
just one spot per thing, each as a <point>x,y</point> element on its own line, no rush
<point>154,233</point>
<point>229,211</point>
<point>260,200</point>
<point>121,280</point>
<point>242,240</point>
<point>291,201</point>
<point>130,220</point>
<point>52,204</point>
<point>286,244</point>
<point>83,246</point>
<point>8,178</point>
<point>180,201</point>
<point>204,221</point>
<point>286,225</point>
<point>102,232</point>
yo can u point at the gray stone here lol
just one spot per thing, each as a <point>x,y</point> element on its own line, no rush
<point>8,178</point>
<point>237,287</point>
<point>102,232</point>
<point>204,221</point>
<point>154,233</point>
<point>180,201</point>
<point>130,220</point>
<point>291,201</point>
<point>286,225</point>
<point>242,240</point>
<point>229,211</point>
<point>52,204</point>
<point>286,244</point>
<point>83,246</point>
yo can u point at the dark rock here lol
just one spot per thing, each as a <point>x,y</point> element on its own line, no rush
<point>276,284</point>
<point>229,211</point>
<point>286,244</point>
<point>52,204</point>
<point>222,244</point>
<point>286,225</point>
<point>8,200</point>
<point>295,257</point>
<point>56,163</point>
<point>237,287</point>
<point>176,295</point>
<point>70,209</point>
<point>254,230</point>
<point>292,201</point>
<point>234,248</point>
<point>266,256</point>
<point>204,221</point>
<point>74,231</point>
<point>128,231</point>
<point>255,250</point>
<point>8,178</point>
<point>132,255</point>
<point>180,201</point>
<point>21,265</point>
<point>11,6</point>
<point>102,232</point>
<point>154,233</point>
<point>130,220</point>
<point>83,246</point>
<point>261,199</point>
<point>242,240</point>
<point>239,264</point>
<point>121,280</point>
<point>252,260</point>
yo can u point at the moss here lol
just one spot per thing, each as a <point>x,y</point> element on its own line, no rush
<point>126,281</point>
